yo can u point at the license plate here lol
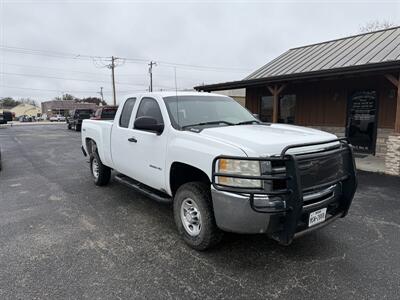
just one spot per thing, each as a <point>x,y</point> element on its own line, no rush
<point>317,217</point>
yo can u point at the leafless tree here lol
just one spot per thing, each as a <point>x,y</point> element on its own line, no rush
<point>376,25</point>
<point>28,101</point>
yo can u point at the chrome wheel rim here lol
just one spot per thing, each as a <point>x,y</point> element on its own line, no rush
<point>191,217</point>
<point>95,168</point>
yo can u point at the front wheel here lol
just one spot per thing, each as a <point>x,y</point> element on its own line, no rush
<point>194,216</point>
<point>101,173</point>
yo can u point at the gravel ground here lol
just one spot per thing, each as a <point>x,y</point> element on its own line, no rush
<point>63,237</point>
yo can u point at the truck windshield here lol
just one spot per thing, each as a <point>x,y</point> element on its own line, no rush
<point>187,111</point>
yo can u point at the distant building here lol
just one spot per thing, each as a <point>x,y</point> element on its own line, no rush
<point>63,107</point>
<point>26,109</point>
<point>239,95</point>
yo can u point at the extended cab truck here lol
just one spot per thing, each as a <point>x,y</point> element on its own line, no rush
<point>223,169</point>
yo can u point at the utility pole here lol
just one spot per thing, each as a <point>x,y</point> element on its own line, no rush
<point>101,94</point>
<point>112,67</point>
<point>151,64</point>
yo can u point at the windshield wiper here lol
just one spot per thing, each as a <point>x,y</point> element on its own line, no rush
<point>248,122</point>
<point>208,123</point>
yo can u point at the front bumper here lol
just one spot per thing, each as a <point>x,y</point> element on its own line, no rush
<point>283,213</point>
<point>233,213</point>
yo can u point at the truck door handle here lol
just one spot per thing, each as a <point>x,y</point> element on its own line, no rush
<point>133,140</point>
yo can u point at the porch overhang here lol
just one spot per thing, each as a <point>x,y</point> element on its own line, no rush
<point>368,69</point>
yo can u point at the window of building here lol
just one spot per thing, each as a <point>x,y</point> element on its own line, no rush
<point>149,108</point>
<point>287,106</point>
<point>266,109</point>
<point>127,112</point>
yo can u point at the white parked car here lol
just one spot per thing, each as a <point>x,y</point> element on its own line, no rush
<point>57,118</point>
<point>223,169</point>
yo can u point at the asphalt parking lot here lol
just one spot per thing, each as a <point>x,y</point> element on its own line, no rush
<point>63,237</point>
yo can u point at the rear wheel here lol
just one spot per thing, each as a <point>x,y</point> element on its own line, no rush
<point>69,126</point>
<point>77,127</point>
<point>101,173</point>
<point>194,216</point>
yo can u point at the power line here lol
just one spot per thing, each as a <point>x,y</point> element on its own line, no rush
<point>66,90</point>
<point>48,90</point>
<point>206,68</point>
<point>56,54</point>
<point>50,68</point>
<point>138,75</point>
<point>131,60</point>
<point>64,78</point>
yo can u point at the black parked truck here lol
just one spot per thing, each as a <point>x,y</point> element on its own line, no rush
<point>74,120</point>
<point>5,116</point>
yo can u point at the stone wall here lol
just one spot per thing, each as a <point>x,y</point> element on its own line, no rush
<point>381,141</point>
<point>392,159</point>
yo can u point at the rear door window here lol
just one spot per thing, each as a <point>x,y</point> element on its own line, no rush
<point>126,112</point>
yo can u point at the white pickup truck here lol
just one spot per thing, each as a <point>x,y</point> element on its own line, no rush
<point>222,169</point>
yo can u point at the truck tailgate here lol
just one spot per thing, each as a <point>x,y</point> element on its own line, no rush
<point>100,132</point>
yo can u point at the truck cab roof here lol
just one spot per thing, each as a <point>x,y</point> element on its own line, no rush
<point>163,94</point>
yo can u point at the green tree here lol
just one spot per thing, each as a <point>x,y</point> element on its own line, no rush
<point>67,97</point>
<point>8,102</point>
<point>94,100</point>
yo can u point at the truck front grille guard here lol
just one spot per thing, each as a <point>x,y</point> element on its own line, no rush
<point>293,193</point>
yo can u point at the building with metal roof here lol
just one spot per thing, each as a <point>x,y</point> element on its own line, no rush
<point>25,109</point>
<point>349,86</point>
<point>370,49</point>
<point>63,107</point>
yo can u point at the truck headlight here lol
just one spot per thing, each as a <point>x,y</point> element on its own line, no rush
<point>239,167</point>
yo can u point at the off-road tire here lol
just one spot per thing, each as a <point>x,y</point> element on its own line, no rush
<point>69,126</point>
<point>77,127</point>
<point>104,172</point>
<point>210,234</point>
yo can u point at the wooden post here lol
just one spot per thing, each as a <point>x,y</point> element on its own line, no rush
<point>396,83</point>
<point>275,91</point>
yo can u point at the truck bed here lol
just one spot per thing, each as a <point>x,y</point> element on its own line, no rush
<point>100,131</point>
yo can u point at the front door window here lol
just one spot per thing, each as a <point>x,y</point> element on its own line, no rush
<point>361,120</point>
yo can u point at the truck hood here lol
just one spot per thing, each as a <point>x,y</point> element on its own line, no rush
<point>268,139</point>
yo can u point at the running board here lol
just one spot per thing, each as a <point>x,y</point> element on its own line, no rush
<point>143,189</point>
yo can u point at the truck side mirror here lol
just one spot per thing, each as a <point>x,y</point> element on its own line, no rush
<point>148,124</point>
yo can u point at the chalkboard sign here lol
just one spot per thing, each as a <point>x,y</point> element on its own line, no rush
<point>362,120</point>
